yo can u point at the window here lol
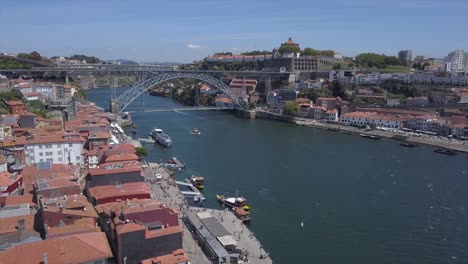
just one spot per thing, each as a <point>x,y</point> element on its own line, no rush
<point>60,159</point>
<point>78,157</point>
<point>70,145</point>
<point>48,146</point>
<point>41,154</point>
<point>49,153</point>
<point>41,160</point>
<point>59,152</point>
<point>40,146</point>
<point>50,160</point>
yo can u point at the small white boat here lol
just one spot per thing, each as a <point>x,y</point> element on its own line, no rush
<point>195,131</point>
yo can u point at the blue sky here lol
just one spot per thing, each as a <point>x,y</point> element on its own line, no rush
<point>185,30</point>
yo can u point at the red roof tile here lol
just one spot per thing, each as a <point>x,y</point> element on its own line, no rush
<point>81,248</point>
<point>10,224</point>
<point>177,257</point>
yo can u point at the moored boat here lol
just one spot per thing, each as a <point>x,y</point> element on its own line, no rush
<point>370,136</point>
<point>445,151</point>
<point>233,202</point>
<point>198,182</point>
<point>242,214</point>
<point>410,144</point>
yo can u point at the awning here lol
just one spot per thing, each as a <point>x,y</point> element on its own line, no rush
<point>227,241</point>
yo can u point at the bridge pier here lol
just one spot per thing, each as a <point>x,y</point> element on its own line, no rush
<point>114,106</point>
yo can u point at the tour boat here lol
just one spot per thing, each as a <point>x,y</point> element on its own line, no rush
<point>233,202</point>
<point>198,182</point>
<point>195,131</point>
<point>161,137</point>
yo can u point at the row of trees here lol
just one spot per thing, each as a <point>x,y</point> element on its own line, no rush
<point>31,56</point>
<point>257,52</point>
<point>8,63</point>
<point>314,52</point>
<point>373,60</point>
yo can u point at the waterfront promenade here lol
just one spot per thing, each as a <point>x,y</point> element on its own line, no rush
<point>453,144</point>
<point>165,190</point>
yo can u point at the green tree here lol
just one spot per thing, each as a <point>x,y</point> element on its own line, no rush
<point>338,89</point>
<point>291,108</point>
<point>13,94</point>
<point>257,52</point>
<point>289,49</point>
<point>141,152</point>
<point>36,105</point>
<point>336,66</point>
<point>35,55</point>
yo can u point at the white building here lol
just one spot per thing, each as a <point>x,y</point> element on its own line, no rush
<point>331,115</point>
<point>457,60</point>
<point>372,118</point>
<point>62,149</point>
<point>302,85</point>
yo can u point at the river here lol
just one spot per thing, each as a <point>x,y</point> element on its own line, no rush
<point>360,200</point>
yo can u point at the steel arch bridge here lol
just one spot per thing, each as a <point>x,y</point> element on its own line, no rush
<point>125,99</point>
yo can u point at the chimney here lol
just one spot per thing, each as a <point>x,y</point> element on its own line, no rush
<point>21,224</point>
<point>45,258</point>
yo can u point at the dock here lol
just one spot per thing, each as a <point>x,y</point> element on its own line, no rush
<point>234,239</point>
<point>146,140</point>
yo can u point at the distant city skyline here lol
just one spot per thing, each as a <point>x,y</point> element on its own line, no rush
<point>183,31</point>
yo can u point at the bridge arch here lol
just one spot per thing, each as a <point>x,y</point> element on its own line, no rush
<point>125,99</point>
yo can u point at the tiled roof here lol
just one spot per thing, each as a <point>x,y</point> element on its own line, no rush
<point>177,257</point>
<point>7,179</point>
<point>117,168</point>
<point>81,248</point>
<point>10,224</point>
<point>17,200</point>
<point>122,157</point>
<point>83,225</point>
<point>126,189</point>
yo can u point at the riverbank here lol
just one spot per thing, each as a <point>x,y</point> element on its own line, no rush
<point>165,190</point>
<point>453,144</point>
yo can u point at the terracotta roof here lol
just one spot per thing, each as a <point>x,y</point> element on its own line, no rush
<point>177,257</point>
<point>7,179</point>
<point>58,171</point>
<point>17,200</point>
<point>126,189</point>
<point>129,228</point>
<point>223,100</point>
<point>163,232</point>
<point>121,206</point>
<point>290,42</point>
<point>15,103</point>
<point>79,248</point>
<point>84,225</point>
<point>122,157</point>
<point>55,139</point>
<point>10,224</point>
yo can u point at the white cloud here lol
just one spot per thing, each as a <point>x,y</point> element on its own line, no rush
<point>194,46</point>
<point>235,48</point>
